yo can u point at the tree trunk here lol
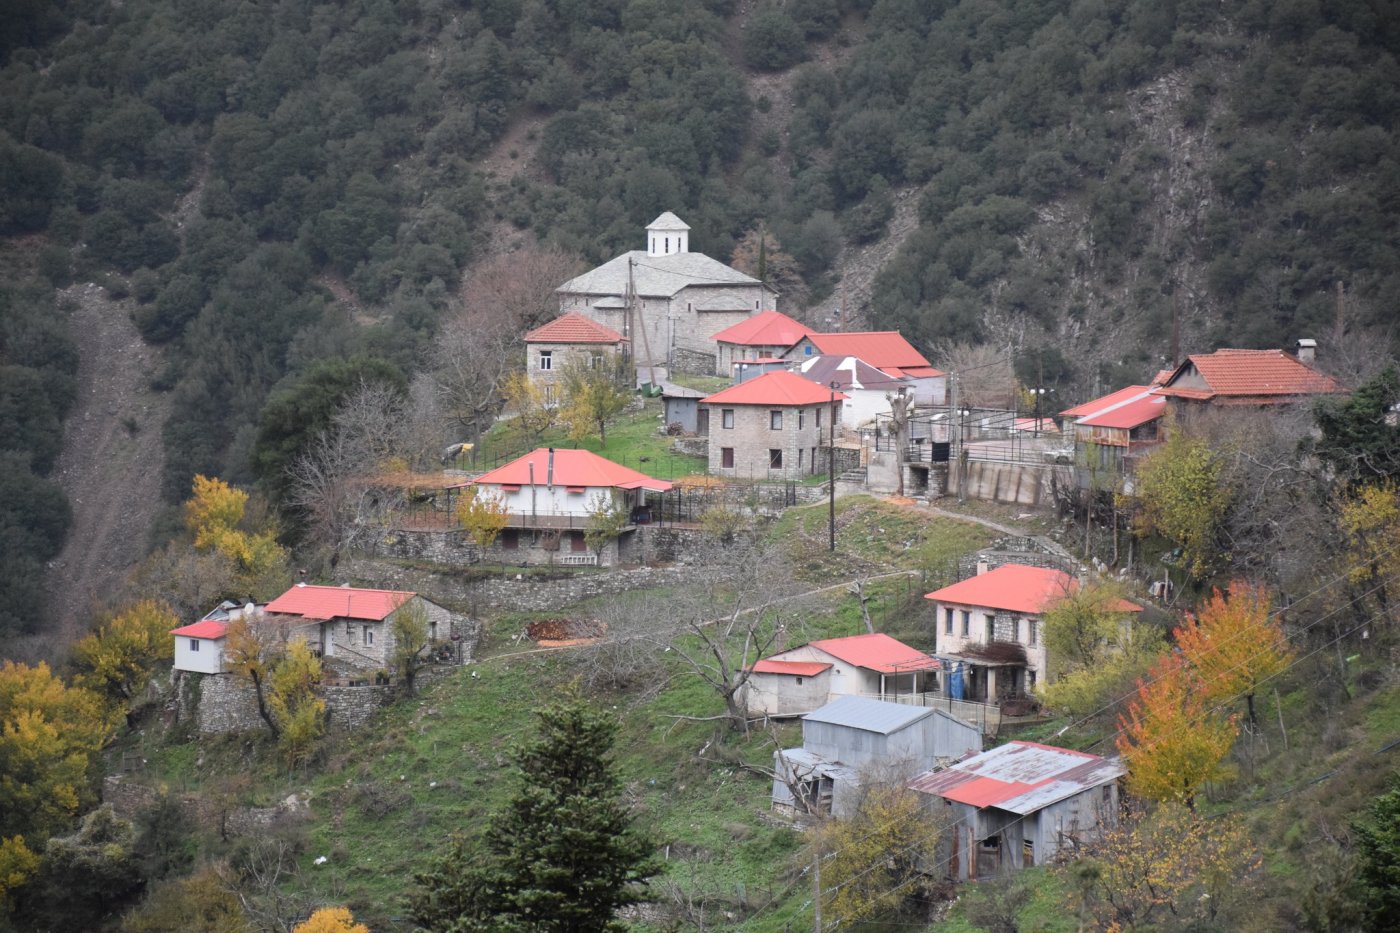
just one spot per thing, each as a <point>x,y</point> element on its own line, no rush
<point>1249,704</point>
<point>262,705</point>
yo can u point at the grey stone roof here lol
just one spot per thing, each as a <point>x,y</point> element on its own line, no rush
<point>668,221</point>
<point>609,303</point>
<point>722,304</point>
<point>655,276</point>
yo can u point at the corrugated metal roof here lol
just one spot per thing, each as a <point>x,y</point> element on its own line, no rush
<point>1127,415</point>
<point>1020,777</point>
<point>808,763</point>
<point>868,715</point>
<point>1105,402</point>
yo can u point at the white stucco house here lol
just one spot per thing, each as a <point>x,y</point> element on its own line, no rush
<point>199,647</point>
<point>866,388</point>
<point>551,495</point>
<point>801,679</point>
<point>682,299</point>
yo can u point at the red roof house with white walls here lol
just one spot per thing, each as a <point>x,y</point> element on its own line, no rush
<point>801,679</point>
<point>552,494</point>
<point>993,624</point>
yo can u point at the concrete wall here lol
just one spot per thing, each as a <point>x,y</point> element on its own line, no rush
<point>752,437</point>
<point>782,695</point>
<point>556,500</point>
<point>1029,484</point>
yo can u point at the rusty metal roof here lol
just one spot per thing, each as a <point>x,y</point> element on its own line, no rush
<point>1020,777</point>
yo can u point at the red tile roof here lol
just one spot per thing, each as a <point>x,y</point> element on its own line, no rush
<point>573,328</point>
<point>1265,375</point>
<point>571,468</point>
<point>884,349</point>
<point>769,329</point>
<point>776,388</point>
<point>1015,588</point>
<point>877,652</point>
<point>795,668</point>
<point>338,602</point>
<point>208,628</point>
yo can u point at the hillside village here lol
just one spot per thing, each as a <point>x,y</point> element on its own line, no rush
<point>878,645</point>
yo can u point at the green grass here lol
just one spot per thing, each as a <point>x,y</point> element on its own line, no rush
<point>632,441</point>
<point>701,383</point>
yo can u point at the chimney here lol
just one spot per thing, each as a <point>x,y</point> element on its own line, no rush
<point>1307,350</point>
<point>549,470</point>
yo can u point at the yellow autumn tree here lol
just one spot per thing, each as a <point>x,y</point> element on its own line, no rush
<point>873,859</point>
<point>300,714</point>
<point>1167,869</point>
<point>1370,516</point>
<point>1181,496</point>
<point>215,514</point>
<point>51,736</point>
<point>526,399</point>
<point>331,920</point>
<point>592,395</point>
<point>251,649</point>
<point>116,660</point>
<point>1234,644</point>
<point>483,516</point>
<point>1171,740</point>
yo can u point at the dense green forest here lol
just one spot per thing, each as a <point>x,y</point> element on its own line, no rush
<point>336,148</point>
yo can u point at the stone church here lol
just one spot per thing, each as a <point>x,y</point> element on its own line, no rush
<point>682,299</point>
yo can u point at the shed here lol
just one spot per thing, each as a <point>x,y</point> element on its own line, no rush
<point>1021,803</point>
<point>681,406</point>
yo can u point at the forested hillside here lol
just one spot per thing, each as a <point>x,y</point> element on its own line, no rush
<point>286,186</point>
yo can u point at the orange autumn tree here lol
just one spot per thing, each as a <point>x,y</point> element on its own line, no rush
<point>1171,740</point>
<point>1234,645</point>
<point>331,920</point>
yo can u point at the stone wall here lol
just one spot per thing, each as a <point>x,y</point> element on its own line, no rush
<point>692,361</point>
<point>692,446</point>
<point>349,708</point>
<point>752,438</point>
<point>226,704</point>
<point>129,799</point>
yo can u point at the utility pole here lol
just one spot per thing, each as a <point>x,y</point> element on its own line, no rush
<point>954,433</point>
<point>1341,323</point>
<point>831,484</point>
<point>817,892</point>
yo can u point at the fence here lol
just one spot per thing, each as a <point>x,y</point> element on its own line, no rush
<point>985,716</point>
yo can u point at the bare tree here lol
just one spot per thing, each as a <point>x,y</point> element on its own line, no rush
<point>732,616</point>
<point>986,378</point>
<point>481,343</point>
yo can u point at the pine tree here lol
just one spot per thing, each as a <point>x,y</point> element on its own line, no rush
<point>563,856</point>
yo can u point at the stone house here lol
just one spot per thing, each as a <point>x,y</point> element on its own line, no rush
<point>552,495</point>
<point>798,680</point>
<point>351,625</point>
<point>1252,378</point>
<point>1019,805</point>
<point>766,335</point>
<point>990,630</point>
<point>680,299</point>
<point>887,351</point>
<point>570,339</point>
<point>769,428</point>
<point>853,741</point>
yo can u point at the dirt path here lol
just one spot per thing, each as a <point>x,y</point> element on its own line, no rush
<point>110,466</point>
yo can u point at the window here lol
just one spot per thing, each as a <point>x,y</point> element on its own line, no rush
<point>1030,679</point>
<point>510,540</point>
<point>668,244</point>
<point>726,418</point>
<point>947,621</point>
<point>801,418</point>
<point>966,623</point>
<point>807,350</point>
<point>1015,629</point>
<point>726,457</point>
<point>799,680</point>
<point>775,459</point>
<point>800,453</point>
<point>818,412</point>
<point>596,360</point>
<point>775,421</point>
<point>194,644</point>
<point>546,359</point>
<point>991,626</point>
<point>1030,631</point>
<point>369,635</point>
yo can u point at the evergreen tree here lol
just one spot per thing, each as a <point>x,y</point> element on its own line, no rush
<point>1358,440</point>
<point>563,856</point>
